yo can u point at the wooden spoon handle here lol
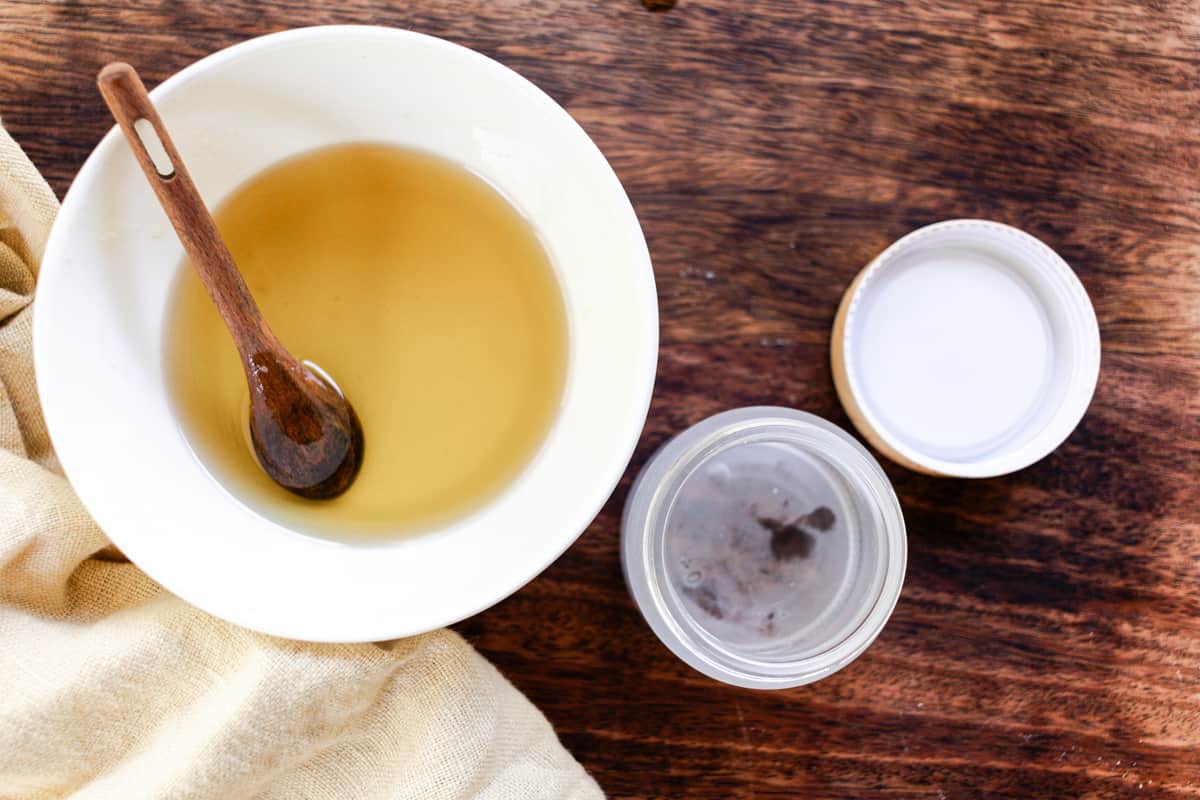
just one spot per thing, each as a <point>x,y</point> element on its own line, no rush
<point>130,105</point>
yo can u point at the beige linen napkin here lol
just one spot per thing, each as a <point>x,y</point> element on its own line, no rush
<point>112,687</point>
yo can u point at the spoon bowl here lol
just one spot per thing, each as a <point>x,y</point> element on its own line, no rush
<point>305,434</point>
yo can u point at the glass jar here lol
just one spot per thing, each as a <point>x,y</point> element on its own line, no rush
<point>764,546</point>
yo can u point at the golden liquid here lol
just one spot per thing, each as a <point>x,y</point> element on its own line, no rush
<point>423,293</point>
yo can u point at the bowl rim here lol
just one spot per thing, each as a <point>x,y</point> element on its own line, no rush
<point>360,627</point>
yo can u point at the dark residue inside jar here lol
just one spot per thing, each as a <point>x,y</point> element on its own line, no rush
<point>793,539</point>
<point>759,543</point>
<point>757,560</point>
<point>707,599</point>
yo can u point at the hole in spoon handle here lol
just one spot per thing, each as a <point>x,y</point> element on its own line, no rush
<point>126,97</point>
<point>153,146</point>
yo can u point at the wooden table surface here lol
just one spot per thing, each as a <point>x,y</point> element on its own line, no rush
<point>1047,643</point>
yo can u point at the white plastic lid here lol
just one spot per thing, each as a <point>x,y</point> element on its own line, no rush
<point>966,348</point>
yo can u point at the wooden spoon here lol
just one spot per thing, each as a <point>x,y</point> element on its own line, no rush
<point>305,433</point>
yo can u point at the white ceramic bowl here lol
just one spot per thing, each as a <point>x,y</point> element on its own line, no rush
<point>112,260</point>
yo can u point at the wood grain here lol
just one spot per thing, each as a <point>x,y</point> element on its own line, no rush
<point>1047,643</point>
